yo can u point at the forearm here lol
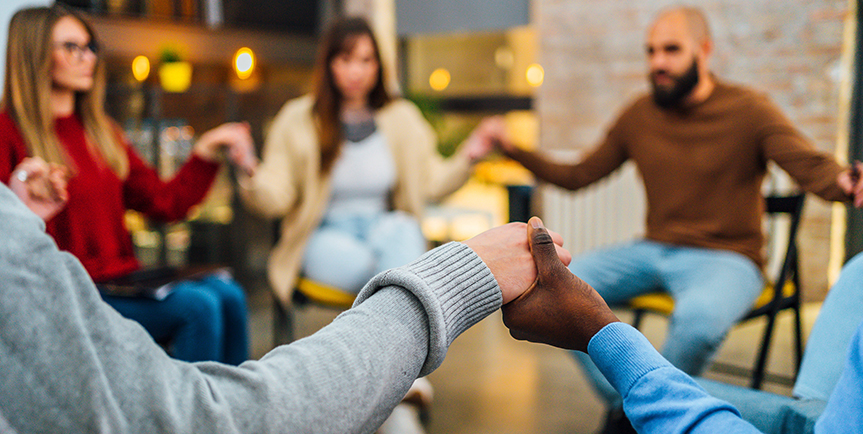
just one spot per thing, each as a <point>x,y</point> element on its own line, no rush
<point>144,191</point>
<point>266,194</point>
<point>559,174</point>
<point>657,397</point>
<point>815,171</point>
<point>74,365</point>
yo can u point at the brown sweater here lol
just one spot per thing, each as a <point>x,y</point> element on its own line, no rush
<point>702,167</point>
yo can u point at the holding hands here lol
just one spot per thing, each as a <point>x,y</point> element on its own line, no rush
<point>484,137</point>
<point>505,251</point>
<point>849,181</point>
<point>41,186</point>
<point>558,309</point>
<point>236,138</point>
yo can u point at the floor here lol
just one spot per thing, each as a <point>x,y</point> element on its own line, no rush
<point>490,383</point>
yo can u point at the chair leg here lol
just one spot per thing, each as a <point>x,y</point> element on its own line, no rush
<point>283,324</point>
<point>638,315</point>
<point>761,364</point>
<point>798,339</point>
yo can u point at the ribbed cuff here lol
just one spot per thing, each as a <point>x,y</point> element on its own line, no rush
<point>455,288</point>
<point>623,355</point>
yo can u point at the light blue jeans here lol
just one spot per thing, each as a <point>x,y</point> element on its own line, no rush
<point>827,346</point>
<point>347,251</point>
<point>823,362</point>
<point>711,288</point>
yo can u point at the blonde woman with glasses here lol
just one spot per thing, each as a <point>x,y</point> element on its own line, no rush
<point>70,164</point>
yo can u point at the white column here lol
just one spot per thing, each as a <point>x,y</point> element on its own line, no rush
<point>7,9</point>
<point>381,15</point>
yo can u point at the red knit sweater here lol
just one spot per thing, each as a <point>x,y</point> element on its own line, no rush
<point>91,226</point>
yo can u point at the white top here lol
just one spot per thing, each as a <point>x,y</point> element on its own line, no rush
<point>362,177</point>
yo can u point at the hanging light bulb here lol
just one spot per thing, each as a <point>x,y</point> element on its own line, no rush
<point>141,68</point>
<point>244,62</point>
<point>439,79</point>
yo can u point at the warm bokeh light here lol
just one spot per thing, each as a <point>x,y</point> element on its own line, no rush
<point>535,75</point>
<point>244,62</point>
<point>141,68</point>
<point>439,79</point>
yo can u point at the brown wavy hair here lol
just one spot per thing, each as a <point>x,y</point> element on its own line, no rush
<point>27,91</point>
<point>340,38</point>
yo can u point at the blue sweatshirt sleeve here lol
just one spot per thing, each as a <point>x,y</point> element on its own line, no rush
<point>657,397</point>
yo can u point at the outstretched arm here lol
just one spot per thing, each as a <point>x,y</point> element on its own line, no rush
<point>73,364</point>
<point>562,310</point>
<point>598,163</point>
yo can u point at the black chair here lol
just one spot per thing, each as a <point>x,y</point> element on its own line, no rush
<point>306,292</point>
<point>780,294</point>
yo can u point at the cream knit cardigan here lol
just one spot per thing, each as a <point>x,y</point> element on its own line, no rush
<point>289,185</point>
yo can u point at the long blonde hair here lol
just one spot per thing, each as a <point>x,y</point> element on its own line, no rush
<point>27,92</point>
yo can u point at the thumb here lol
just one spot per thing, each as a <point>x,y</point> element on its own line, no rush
<point>542,247</point>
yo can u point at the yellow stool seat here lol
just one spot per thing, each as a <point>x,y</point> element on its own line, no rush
<point>324,294</point>
<point>662,303</point>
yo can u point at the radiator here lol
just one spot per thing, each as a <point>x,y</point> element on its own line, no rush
<point>613,210</point>
<point>607,212</point>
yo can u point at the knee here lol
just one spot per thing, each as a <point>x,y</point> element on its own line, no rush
<point>399,224</point>
<point>196,305</point>
<point>702,332</point>
<point>230,292</point>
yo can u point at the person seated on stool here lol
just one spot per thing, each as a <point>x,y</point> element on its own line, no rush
<point>53,123</point>
<point>349,170</point>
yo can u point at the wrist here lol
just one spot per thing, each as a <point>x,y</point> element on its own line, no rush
<point>206,153</point>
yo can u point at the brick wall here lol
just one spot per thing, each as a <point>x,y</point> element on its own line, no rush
<point>593,56</point>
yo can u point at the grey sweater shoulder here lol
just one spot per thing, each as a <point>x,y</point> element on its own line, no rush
<point>73,364</point>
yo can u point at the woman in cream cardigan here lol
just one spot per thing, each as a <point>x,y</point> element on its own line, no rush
<point>349,169</point>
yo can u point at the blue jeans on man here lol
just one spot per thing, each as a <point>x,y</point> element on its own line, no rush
<point>711,288</point>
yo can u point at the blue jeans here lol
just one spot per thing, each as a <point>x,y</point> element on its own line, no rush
<point>203,319</point>
<point>711,288</point>
<point>824,360</point>
<point>827,346</point>
<point>347,251</point>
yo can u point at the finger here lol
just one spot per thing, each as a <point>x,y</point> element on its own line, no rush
<point>35,167</point>
<point>844,182</point>
<point>563,255</point>
<point>556,237</point>
<point>58,184</point>
<point>542,246</point>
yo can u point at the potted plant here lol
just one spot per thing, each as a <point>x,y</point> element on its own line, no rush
<point>174,73</point>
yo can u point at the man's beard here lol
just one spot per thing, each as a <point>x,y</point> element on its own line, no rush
<point>671,97</point>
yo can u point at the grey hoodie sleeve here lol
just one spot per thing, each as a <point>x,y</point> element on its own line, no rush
<point>72,364</point>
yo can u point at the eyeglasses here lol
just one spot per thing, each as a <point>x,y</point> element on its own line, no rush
<point>76,51</point>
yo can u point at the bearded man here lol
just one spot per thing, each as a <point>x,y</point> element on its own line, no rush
<point>701,147</point>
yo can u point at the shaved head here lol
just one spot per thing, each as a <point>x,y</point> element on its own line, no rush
<point>678,49</point>
<point>693,18</point>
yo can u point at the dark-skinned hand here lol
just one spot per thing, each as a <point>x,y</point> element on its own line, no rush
<point>559,309</point>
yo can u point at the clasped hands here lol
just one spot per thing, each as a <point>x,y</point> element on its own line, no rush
<point>849,182</point>
<point>543,301</point>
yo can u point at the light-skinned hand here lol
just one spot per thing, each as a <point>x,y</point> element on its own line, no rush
<point>505,251</point>
<point>482,139</point>
<point>41,186</point>
<point>559,309</point>
<point>236,138</point>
